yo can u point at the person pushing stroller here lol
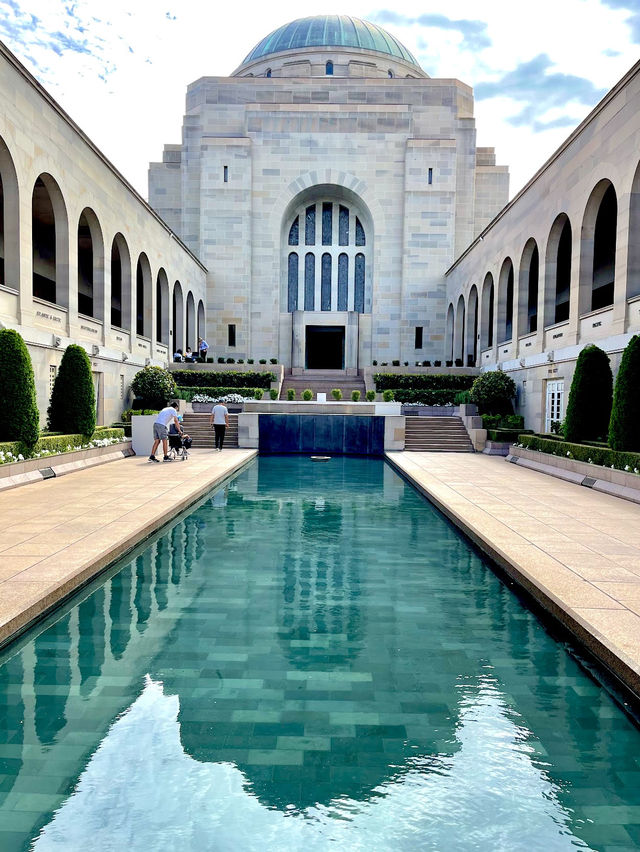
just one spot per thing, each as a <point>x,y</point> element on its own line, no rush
<point>179,442</point>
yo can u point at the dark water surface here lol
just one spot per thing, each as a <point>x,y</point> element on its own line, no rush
<point>312,659</point>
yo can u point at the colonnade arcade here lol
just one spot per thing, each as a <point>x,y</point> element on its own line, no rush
<point>585,266</point>
<point>76,267</point>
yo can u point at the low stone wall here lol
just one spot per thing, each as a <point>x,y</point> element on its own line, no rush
<point>619,483</point>
<point>46,467</point>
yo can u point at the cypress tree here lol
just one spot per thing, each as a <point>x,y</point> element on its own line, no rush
<point>589,406</point>
<point>624,428</point>
<point>21,421</point>
<point>72,409</point>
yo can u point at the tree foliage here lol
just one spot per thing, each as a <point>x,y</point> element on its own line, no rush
<point>493,391</point>
<point>589,406</point>
<point>72,407</point>
<point>155,386</point>
<point>21,421</point>
<point>624,428</point>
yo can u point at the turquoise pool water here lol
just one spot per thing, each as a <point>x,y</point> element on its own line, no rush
<point>312,659</point>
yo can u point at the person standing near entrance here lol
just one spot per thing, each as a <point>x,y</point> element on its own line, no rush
<point>220,420</point>
<point>203,348</point>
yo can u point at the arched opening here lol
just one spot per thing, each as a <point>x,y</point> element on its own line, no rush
<point>178,318</point>
<point>558,272</point>
<point>458,342</point>
<point>486,315</point>
<point>528,289</point>
<point>143,297</point>
<point>633,257</point>
<point>505,302</point>
<point>598,248</point>
<point>449,334</point>
<point>202,331</point>
<point>162,307</point>
<point>328,68</point>
<point>471,335</point>
<point>50,242</point>
<point>90,265</point>
<point>9,221</point>
<point>191,323</point>
<point>267,73</point>
<point>120,283</point>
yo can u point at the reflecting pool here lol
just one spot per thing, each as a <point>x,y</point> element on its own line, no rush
<point>312,659</point>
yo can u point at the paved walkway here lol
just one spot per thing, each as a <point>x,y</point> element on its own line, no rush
<point>59,533</point>
<point>576,551</point>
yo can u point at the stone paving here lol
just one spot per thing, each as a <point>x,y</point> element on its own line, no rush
<point>576,551</point>
<point>57,534</point>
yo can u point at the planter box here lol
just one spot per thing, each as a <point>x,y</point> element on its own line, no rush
<point>604,479</point>
<point>35,470</point>
<point>430,410</point>
<point>142,433</point>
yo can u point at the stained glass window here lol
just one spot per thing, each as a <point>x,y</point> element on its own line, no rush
<point>325,283</point>
<point>343,226</point>
<point>293,282</point>
<point>294,232</point>
<point>327,217</point>
<point>309,281</point>
<point>360,241</point>
<point>343,273</point>
<point>358,299</point>
<point>310,226</point>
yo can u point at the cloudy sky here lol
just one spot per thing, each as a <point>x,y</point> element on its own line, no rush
<point>121,68</point>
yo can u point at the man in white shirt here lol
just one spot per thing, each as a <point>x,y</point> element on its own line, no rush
<point>161,430</point>
<point>220,420</point>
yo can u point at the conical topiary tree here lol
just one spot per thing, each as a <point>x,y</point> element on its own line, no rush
<point>589,405</point>
<point>72,408</point>
<point>624,428</point>
<point>21,421</point>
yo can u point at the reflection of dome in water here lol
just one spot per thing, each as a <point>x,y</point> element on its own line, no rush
<point>330,31</point>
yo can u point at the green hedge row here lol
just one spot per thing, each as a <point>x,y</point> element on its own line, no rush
<point>504,435</point>
<point>58,443</point>
<point>425,397</point>
<point>188,393</point>
<point>200,379</point>
<point>437,381</point>
<point>580,452</point>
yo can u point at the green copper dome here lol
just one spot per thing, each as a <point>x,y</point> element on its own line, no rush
<point>330,31</point>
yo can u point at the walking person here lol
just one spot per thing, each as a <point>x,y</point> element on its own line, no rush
<point>203,348</point>
<point>161,430</point>
<point>220,420</point>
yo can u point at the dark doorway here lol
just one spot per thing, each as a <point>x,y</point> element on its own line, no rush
<point>324,347</point>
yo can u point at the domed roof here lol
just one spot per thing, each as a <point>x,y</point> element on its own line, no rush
<point>330,31</point>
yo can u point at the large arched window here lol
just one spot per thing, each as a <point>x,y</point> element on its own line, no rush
<point>558,271</point>
<point>327,258</point>
<point>598,248</point>
<point>486,322</point>
<point>162,307</point>
<point>9,221</point>
<point>143,296</point>
<point>471,335</point>
<point>50,237</point>
<point>90,265</point>
<point>528,289</point>
<point>120,283</point>
<point>505,302</point>
<point>178,317</point>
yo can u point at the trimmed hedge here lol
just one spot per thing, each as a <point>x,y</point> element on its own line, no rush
<point>589,405</point>
<point>624,429</point>
<point>510,422</point>
<point>188,393</point>
<point>235,379</point>
<point>426,397</point>
<point>493,391</point>
<point>17,391</point>
<point>55,444</point>
<point>153,387</point>
<point>505,435</point>
<point>73,401</point>
<point>437,381</point>
<point>582,452</point>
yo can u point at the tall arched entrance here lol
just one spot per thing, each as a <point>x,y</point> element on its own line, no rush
<point>327,237</point>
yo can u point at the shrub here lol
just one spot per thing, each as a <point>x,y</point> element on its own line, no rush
<point>424,396</point>
<point>336,393</point>
<point>209,360</point>
<point>370,396</point>
<point>387,395</point>
<point>190,394</point>
<point>72,408</point>
<point>493,391</point>
<point>583,452</point>
<point>505,436</point>
<point>557,427</point>
<point>249,360</point>
<point>459,362</point>
<point>307,394</point>
<point>258,393</point>
<point>437,381</point>
<point>262,361</point>
<point>355,396</point>
<point>273,360</point>
<point>273,393</point>
<point>220,359</point>
<point>56,444</point>
<point>234,378</point>
<point>240,360</point>
<point>426,363</point>
<point>448,363</point>
<point>462,398</point>
<point>291,394</point>
<point>395,363</point>
<point>406,363</point>
<point>231,360</point>
<point>589,405</point>
<point>154,386</point>
<point>624,429</point>
<point>17,391</point>
<point>437,363</point>
<point>374,363</point>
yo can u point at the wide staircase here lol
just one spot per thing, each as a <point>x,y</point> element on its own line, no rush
<point>436,435</point>
<point>323,382</point>
<point>197,425</point>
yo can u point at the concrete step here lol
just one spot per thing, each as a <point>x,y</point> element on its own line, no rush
<point>436,434</point>
<point>197,425</point>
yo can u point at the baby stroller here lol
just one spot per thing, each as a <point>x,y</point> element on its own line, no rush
<point>179,445</point>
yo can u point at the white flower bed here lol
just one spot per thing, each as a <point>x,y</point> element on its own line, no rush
<point>6,456</point>
<point>235,398</point>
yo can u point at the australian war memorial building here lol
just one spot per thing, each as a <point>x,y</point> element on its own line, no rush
<point>327,185</point>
